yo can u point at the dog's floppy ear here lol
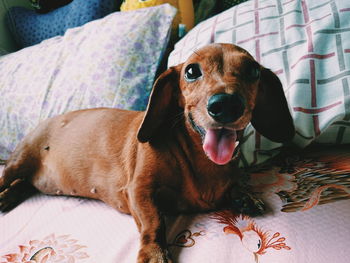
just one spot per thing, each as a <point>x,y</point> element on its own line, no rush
<point>160,102</point>
<point>271,116</point>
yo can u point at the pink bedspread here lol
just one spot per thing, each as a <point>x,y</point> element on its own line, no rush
<point>298,229</point>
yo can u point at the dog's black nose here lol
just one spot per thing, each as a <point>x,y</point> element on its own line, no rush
<point>225,107</point>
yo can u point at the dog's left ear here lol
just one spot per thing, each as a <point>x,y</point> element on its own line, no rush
<point>160,103</point>
<point>271,116</point>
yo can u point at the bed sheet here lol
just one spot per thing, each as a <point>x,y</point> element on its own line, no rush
<point>307,221</point>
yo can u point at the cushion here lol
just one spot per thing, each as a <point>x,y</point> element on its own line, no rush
<point>42,6</point>
<point>3,51</point>
<point>307,45</point>
<point>29,27</point>
<point>185,14</point>
<point>109,62</point>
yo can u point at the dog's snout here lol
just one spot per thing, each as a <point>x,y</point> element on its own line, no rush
<point>225,108</point>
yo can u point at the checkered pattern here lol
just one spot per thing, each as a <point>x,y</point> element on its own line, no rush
<point>307,44</point>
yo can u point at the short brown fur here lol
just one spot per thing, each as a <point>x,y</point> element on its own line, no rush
<point>149,163</point>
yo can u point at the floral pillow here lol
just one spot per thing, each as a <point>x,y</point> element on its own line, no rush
<point>109,62</point>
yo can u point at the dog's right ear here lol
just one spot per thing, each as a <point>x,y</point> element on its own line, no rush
<point>160,102</point>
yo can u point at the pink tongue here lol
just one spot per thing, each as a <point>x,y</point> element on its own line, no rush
<point>219,145</point>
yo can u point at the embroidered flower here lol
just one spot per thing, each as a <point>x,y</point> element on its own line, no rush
<point>50,249</point>
<point>253,238</point>
<point>273,181</point>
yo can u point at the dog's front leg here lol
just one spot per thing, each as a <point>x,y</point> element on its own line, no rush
<point>244,201</point>
<point>153,245</point>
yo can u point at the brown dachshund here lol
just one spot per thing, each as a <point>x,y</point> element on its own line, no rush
<point>177,156</point>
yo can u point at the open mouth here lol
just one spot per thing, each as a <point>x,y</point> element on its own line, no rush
<point>221,145</point>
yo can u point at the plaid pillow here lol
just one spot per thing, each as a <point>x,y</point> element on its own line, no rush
<point>307,44</point>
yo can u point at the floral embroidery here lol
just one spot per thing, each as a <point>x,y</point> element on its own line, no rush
<point>305,181</point>
<point>50,249</point>
<point>272,181</point>
<point>186,238</point>
<point>253,238</point>
<point>320,180</point>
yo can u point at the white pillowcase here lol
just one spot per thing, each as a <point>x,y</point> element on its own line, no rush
<point>109,62</point>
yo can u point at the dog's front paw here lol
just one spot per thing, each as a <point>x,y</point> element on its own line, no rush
<point>247,203</point>
<point>153,254</point>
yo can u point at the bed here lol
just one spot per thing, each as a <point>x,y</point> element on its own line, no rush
<point>112,61</point>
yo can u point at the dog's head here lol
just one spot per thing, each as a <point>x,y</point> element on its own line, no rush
<point>220,89</point>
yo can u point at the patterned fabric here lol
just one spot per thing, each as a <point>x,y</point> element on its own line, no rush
<point>308,196</point>
<point>49,249</point>
<point>109,62</point>
<point>30,28</point>
<point>307,44</point>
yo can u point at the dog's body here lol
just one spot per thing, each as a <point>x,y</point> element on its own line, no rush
<point>107,137</point>
<point>173,158</point>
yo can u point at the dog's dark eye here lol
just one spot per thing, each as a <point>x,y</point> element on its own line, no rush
<point>192,72</point>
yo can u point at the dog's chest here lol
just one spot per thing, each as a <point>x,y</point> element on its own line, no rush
<point>207,195</point>
<point>192,195</point>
